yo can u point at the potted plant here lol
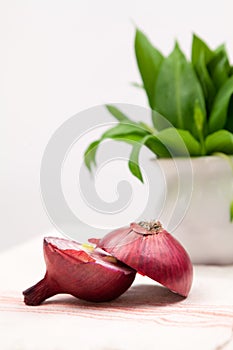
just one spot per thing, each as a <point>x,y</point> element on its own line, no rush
<point>191,105</point>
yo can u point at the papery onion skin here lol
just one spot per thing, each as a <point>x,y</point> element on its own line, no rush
<point>152,252</point>
<point>91,277</point>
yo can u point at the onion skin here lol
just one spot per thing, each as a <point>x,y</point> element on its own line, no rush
<point>151,252</point>
<point>91,276</point>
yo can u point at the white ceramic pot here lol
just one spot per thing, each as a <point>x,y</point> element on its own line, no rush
<point>197,206</point>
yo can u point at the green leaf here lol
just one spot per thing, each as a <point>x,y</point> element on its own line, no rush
<point>160,122</point>
<point>167,143</point>
<point>173,142</point>
<point>198,46</point>
<point>128,138</point>
<point>198,118</point>
<point>122,129</point>
<point>177,90</point>
<point>133,159</point>
<point>231,211</point>
<point>120,116</point>
<point>199,121</point>
<point>90,153</point>
<point>229,123</point>
<point>205,80</point>
<point>121,132</point>
<point>147,127</point>
<point>220,73</point>
<point>219,66</point>
<point>154,144</point>
<point>201,55</point>
<point>149,60</point>
<point>219,141</point>
<point>137,85</point>
<point>218,116</point>
<point>157,147</point>
<point>180,143</point>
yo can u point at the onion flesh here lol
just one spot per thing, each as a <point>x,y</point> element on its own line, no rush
<point>83,271</point>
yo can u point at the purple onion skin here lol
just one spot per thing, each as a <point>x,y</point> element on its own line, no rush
<point>89,277</point>
<point>154,253</point>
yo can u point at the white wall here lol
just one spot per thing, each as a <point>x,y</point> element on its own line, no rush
<point>59,57</point>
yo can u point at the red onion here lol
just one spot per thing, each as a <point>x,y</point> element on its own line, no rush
<point>80,270</point>
<point>151,251</point>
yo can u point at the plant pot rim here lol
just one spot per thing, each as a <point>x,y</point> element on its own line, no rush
<point>208,157</point>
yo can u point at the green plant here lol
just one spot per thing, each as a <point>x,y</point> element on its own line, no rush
<point>194,97</point>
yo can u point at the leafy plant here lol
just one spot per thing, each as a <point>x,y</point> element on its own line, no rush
<point>194,98</point>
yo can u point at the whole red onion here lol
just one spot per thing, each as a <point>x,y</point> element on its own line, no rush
<point>80,270</point>
<point>151,251</point>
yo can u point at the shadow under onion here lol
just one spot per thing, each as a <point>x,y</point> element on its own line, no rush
<point>136,296</point>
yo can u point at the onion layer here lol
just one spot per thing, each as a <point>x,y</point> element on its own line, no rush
<point>80,270</point>
<point>151,251</point>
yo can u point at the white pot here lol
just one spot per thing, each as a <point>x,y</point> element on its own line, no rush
<point>197,206</point>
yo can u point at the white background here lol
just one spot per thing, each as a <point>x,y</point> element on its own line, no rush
<point>58,58</point>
